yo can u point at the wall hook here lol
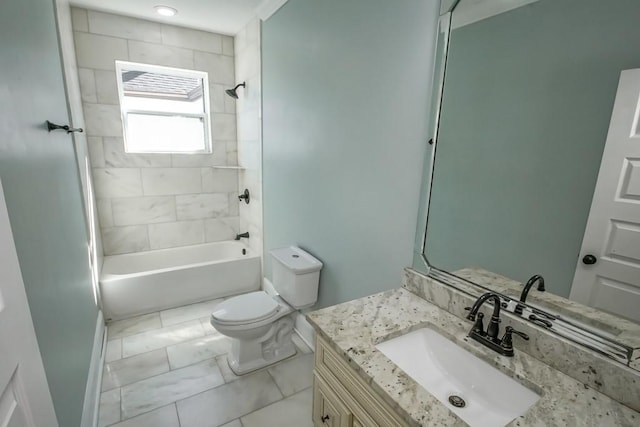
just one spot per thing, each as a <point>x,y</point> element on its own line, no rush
<point>245,196</point>
<point>53,126</point>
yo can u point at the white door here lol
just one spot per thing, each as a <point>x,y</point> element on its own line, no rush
<point>24,393</point>
<point>608,272</point>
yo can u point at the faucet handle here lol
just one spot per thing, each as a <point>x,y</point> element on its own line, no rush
<point>521,334</point>
<point>478,326</point>
<point>507,342</point>
<point>519,309</point>
<point>470,316</point>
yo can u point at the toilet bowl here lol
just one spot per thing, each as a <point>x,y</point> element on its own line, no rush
<point>260,325</point>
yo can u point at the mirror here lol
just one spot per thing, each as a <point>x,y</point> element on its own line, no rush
<point>527,100</point>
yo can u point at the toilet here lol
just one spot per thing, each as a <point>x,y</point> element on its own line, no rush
<point>260,324</point>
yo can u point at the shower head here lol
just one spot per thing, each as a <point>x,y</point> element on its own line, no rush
<point>232,92</point>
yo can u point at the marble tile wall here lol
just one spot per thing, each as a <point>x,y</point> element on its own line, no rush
<point>249,115</point>
<point>156,201</point>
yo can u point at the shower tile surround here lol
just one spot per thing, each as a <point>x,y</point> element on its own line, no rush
<point>354,328</point>
<point>156,201</point>
<point>169,369</point>
<point>249,114</point>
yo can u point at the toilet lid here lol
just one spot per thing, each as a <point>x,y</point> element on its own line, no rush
<point>246,308</point>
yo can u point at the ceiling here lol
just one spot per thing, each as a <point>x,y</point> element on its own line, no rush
<point>219,16</point>
<point>468,12</point>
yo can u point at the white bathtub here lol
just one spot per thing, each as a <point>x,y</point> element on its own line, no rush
<point>144,282</point>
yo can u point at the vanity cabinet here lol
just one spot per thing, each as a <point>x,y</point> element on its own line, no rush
<point>342,399</point>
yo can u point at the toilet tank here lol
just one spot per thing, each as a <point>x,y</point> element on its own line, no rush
<point>296,275</point>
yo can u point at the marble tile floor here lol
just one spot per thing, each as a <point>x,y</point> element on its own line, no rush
<point>169,369</point>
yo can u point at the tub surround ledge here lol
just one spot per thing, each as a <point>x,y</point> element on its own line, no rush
<point>354,328</point>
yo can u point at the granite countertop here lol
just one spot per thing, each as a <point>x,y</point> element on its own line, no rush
<point>355,327</point>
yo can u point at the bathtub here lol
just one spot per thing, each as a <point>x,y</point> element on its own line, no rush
<point>145,282</point>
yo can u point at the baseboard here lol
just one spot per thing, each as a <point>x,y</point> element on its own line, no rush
<point>267,286</point>
<point>305,331</point>
<point>94,380</point>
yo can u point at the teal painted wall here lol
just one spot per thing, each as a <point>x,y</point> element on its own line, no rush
<point>42,190</point>
<point>346,89</point>
<point>527,103</point>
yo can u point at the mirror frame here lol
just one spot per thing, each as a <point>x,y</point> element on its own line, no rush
<point>617,349</point>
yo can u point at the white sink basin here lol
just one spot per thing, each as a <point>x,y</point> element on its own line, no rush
<point>444,369</point>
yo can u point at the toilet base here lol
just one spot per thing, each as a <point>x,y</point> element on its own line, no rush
<point>247,367</point>
<point>249,355</point>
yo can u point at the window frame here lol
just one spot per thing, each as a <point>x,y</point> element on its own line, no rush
<point>179,72</point>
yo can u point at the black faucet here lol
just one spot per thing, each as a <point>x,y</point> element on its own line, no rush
<point>494,323</point>
<point>525,292</point>
<point>246,234</point>
<point>490,338</point>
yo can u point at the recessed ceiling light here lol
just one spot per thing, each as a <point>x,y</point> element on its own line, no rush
<point>165,10</point>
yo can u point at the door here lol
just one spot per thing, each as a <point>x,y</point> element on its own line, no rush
<point>608,272</point>
<point>24,393</point>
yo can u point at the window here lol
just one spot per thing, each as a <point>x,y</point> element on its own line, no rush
<point>164,110</point>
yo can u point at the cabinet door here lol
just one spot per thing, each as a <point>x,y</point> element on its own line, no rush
<point>359,418</point>
<point>328,410</point>
<point>363,405</point>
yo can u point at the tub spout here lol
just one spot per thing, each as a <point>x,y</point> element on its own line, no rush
<point>246,234</point>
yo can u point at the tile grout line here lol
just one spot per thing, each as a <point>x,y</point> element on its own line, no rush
<point>161,327</point>
<point>121,411</point>
<point>135,333</point>
<point>170,370</point>
<point>174,402</point>
<point>272,403</point>
<point>175,406</point>
<point>216,359</point>
<point>204,391</point>
<point>167,359</point>
<point>198,319</point>
<point>162,323</point>
<point>129,357</point>
<point>166,355</point>
<point>224,384</point>
<point>145,413</point>
<point>275,382</point>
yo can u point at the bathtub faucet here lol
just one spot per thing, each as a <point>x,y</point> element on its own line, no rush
<point>246,234</point>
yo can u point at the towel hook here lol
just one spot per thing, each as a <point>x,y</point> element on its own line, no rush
<point>245,196</point>
<point>53,126</point>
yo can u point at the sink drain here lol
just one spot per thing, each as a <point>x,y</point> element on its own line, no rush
<point>457,401</point>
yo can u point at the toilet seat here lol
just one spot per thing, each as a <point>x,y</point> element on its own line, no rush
<point>245,309</point>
